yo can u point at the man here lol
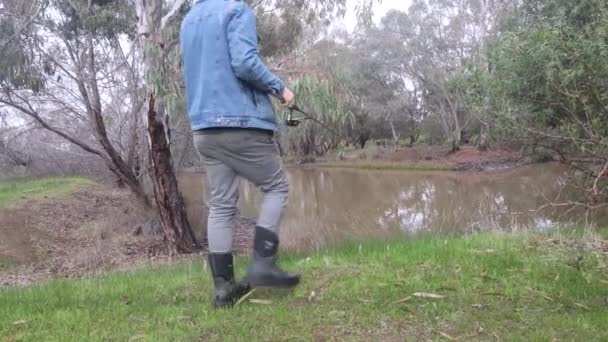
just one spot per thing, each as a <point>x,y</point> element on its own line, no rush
<point>233,121</point>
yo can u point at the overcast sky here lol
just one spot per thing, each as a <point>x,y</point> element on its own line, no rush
<point>379,11</point>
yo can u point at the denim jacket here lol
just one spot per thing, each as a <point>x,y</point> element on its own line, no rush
<point>227,84</point>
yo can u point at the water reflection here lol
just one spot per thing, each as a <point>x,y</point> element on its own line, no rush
<point>333,205</point>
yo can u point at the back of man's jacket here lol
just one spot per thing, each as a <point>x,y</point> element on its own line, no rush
<point>227,84</point>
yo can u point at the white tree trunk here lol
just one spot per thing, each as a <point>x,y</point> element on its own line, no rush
<point>169,200</point>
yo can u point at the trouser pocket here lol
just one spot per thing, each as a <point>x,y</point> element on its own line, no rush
<point>203,144</point>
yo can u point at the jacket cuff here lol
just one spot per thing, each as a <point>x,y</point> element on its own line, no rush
<point>278,87</point>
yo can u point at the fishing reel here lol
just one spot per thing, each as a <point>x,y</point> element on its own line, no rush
<point>290,121</point>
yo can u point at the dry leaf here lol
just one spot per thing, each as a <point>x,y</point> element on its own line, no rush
<point>424,266</point>
<point>582,306</point>
<point>447,336</point>
<point>428,295</point>
<point>477,306</point>
<point>304,260</point>
<point>548,298</point>
<point>244,297</point>
<point>260,301</point>
<point>403,300</point>
<point>20,322</point>
<point>483,251</point>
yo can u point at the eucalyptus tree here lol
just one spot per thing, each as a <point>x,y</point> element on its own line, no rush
<point>429,50</point>
<point>424,55</point>
<point>58,60</point>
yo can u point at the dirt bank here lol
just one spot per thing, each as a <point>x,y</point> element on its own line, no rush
<point>95,229</point>
<point>467,158</point>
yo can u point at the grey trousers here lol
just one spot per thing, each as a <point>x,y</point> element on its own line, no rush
<point>253,155</point>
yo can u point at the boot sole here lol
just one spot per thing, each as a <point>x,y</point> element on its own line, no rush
<point>273,282</point>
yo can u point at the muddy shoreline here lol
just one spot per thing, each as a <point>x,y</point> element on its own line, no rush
<point>440,158</point>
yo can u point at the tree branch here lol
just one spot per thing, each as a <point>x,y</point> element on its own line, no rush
<point>57,131</point>
<point>31,19</point>
<point>172,14</point>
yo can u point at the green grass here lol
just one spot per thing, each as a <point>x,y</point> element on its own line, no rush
<point>370,158</point>
<point>16,191</point>
<point>496,286</point>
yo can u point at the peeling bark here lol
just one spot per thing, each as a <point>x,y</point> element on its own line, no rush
<point>174,220</point>
<point>170,203</point>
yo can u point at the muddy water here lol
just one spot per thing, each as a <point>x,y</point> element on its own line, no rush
<point>331,205</point>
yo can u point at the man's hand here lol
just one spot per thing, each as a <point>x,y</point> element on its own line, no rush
<point>288,99</point>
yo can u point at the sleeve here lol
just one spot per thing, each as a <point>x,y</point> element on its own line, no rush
<point>244,54</point>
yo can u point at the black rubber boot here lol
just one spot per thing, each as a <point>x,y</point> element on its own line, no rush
<point>264,271</point>
<point>226,291</point>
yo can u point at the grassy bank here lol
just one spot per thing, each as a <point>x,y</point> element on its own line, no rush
<point>13,192</point>
<point>486,287</point>
<point>387,165</point>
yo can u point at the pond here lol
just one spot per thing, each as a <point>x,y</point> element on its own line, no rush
<point>331,205</point>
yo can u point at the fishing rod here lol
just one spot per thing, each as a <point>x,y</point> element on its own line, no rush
<point>290,121</point>
<point>295,122</point>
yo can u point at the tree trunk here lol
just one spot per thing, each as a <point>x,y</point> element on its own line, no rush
<point>413,139</point>
<point>456,137</point>
<point>94,110</point>
<point>363,138</point>
<point>174,220</point>
<point>484,132</point>
<point>484,143</point>
<point>396,136</point>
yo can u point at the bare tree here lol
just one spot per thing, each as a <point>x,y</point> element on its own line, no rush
<point>70,52</point>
